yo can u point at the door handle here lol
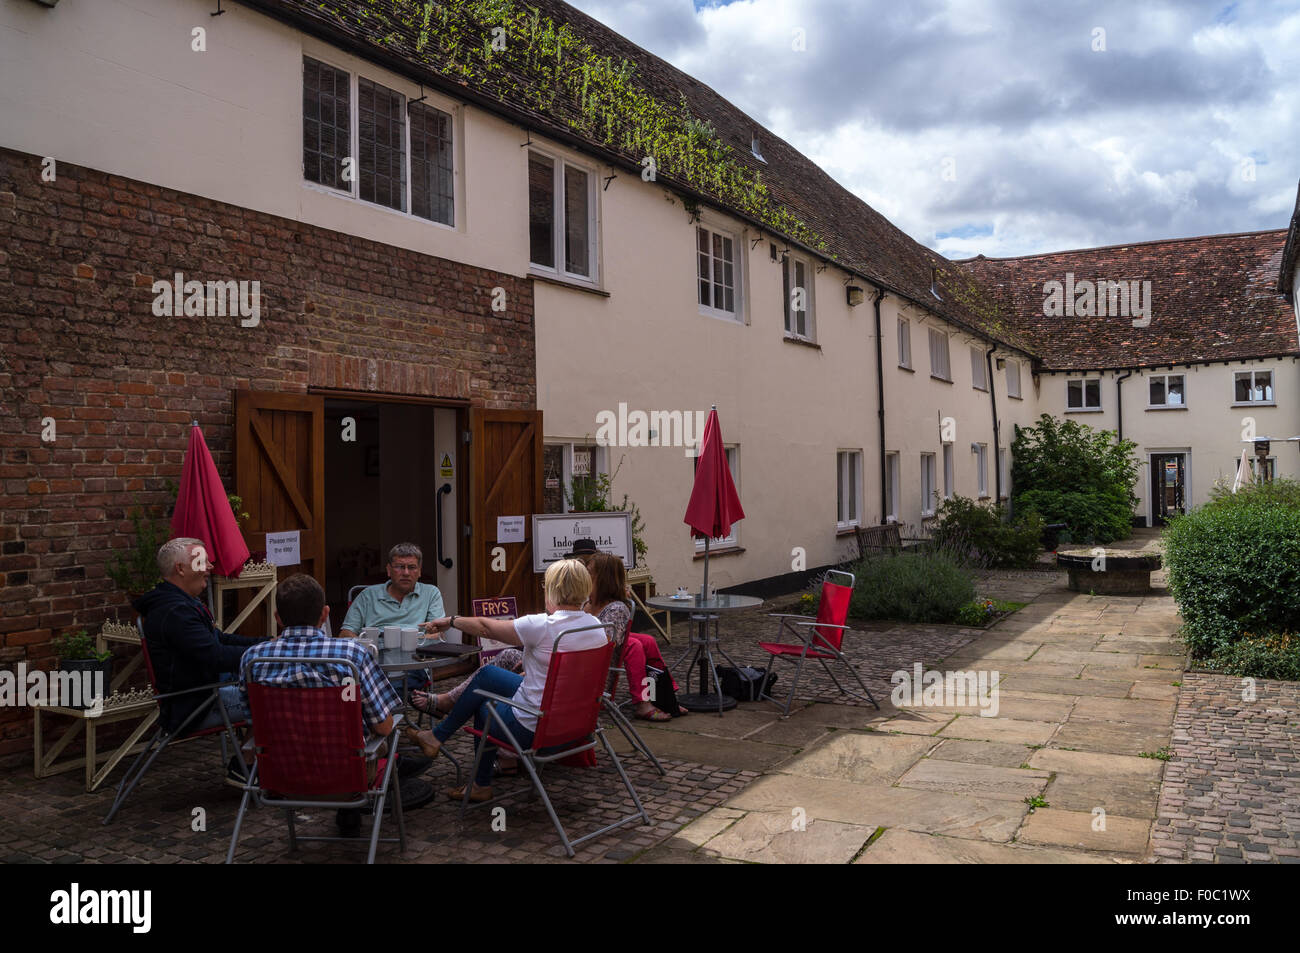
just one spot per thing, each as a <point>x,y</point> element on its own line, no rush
<point>445,488</point>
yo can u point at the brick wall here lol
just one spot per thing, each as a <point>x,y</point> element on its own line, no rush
<point>79,343</point>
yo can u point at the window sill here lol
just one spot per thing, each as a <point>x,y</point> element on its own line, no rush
<point>1014,397</point>
<point>845,530</point>
<point>1083,410</point>
<point>927,514</point>
<point>1163,407</point>
<point>904,367</point>
<point>572,285</point>
<point>936,377</point>
<point>725,551</point>
<point>983,390</point>
<point>803,342</point>
<point>1255,403</point>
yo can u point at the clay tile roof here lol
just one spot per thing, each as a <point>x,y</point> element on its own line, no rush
<point>1211,298</point>
<point>1286,274</point>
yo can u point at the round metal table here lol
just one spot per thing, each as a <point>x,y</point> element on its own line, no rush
<point>704,642</point>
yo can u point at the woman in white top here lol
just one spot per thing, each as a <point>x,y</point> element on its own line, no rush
<point>567,585</point>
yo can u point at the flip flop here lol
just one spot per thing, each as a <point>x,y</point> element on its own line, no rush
<point>654,714</point>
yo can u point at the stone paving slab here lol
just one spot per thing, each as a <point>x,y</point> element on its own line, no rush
<point>1051,827</point>
<point>909,847</point>
<point>773,839</point>
<point>979,780</point>
<point>1127,797</point>
<point>1112,687</point>
<point>1133,711</point>
<point>918,721</point>
<point>983,752</point>
<point>977,728</point>
<point>1114,737</point>
<point>1095,763</point>
<point>872,758</point>
<point>1005,667</point>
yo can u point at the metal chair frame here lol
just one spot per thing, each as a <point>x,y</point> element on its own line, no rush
<point>533,760</point>
<point>817,643</point>
<point>374,797</point>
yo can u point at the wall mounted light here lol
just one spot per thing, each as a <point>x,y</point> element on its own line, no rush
<point>856,295</point>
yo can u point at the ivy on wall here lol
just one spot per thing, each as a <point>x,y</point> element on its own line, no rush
<point>514,53</point>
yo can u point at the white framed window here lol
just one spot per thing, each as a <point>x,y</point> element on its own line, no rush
<point>891,487</point>
<point>928,493</point>
<point>905,343</point>
<point>1269,472</point>
<point>939,365</point>
<point>948,482</point>
<point>1083,394</point>
<point>1253,387</point>
<point>978,370</point>
<point>717,273</point>
<point>797,285</point>
<point>1013,379</point>
<point>1004,471</point>
<point>569,470</point>
<point>723,542</point>
<point>982,468</point>
<point>562,232</point>
<point>848,466</point>
<point>1166,390</point>
<point>363,139</point>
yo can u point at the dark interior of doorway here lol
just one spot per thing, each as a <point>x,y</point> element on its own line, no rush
<point>379,474</point>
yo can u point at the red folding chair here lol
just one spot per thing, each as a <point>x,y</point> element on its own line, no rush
<point>818,639</point>
<point>567,725</point>
<point>162,737</point>
<point>311,751</point>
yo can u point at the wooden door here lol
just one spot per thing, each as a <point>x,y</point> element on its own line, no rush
<point>505,455</point>
<point>280,471</point>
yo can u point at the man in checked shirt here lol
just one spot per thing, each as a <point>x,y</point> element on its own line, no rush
<point>301,610</point>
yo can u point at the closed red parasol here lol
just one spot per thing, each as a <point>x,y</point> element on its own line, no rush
<point>714,504</point>
<point>203,511</point>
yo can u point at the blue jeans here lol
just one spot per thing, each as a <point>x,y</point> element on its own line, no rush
<point>491,678</point>
<point>236,703</point>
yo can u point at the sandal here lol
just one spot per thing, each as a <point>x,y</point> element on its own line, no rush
<point>654,714</point>
<point>423,704</point>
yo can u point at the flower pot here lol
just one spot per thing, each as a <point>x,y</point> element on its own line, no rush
<point>80,666</point>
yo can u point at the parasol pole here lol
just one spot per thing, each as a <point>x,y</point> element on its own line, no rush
<point>704,590</point>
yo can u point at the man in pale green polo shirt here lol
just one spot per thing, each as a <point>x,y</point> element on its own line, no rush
<point>403,600</point>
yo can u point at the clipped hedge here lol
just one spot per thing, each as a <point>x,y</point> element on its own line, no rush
<point>1234,566</point>
<point>911,587</point>
<point>983,532</point>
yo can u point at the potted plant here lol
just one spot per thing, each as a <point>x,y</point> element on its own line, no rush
<point>135,569</point>
<point>77,653</point>
<point>591,494</point>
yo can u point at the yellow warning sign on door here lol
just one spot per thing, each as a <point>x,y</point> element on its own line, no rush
<point>446,470</point>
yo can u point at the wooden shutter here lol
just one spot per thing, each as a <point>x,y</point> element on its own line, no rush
<point>280,471</point>
<point>505,480</point>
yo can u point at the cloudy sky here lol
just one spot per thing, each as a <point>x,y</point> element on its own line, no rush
<point>1009,127</point>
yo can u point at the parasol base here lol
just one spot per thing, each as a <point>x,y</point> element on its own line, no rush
<point>696,702</point>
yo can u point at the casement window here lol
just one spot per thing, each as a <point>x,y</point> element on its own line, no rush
<point>561,217</point>
<point>797,284</point>
<point>848,465</point>
<point>1013,379</point>
<point>733,464</point>
<point>1166,390</point>
<point>1253,387</point>
<point>1004,469</point>
<point>939,366</point>
<point>982,468</point>
<point>928,493</point>
<point>569,472</point>
<point>1269,469</point>
<point>717,273</point>
<point>364,139</point>
<point>947,472</point>
<point>905,343</point>
<point>891,487</point>
<point>1083,394</point>
<point>978,370</point>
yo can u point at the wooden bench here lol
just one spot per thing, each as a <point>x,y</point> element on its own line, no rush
<point>878,539</point>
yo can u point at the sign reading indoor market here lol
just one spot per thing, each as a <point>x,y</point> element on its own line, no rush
<point>555,533</point>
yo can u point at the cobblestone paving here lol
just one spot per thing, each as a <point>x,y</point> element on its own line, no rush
<point>1231,793</point>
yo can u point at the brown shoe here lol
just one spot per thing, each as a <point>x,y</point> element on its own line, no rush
<point>425,740</point>
<point>476,796</point>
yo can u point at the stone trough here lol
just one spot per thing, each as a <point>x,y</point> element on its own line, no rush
<point>1109,571</point>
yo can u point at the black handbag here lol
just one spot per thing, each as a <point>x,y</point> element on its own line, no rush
<point>745,684</point>
<point>665,696</point>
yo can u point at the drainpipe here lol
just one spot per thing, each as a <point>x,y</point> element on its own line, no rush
<point>880,401</point>
<point>997,454</point>
<point>1119,402</point>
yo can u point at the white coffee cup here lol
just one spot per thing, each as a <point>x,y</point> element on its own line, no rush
<point>371,632</point>
<point>410,638</point>
<point>392,636</point>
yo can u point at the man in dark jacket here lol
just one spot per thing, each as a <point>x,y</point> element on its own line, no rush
<point>185,646</point>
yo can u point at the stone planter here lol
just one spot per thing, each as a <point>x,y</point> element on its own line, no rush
<point>1109,571</point>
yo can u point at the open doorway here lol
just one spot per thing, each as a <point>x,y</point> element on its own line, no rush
<point>389,478</point>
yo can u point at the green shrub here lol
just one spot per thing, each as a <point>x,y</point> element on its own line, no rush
<point>982,611</point>
<point>1234,566</point>
<point>1252,656</point>
<point>982,529</point>
<point>1069,473</point>
<point>910,587</point>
